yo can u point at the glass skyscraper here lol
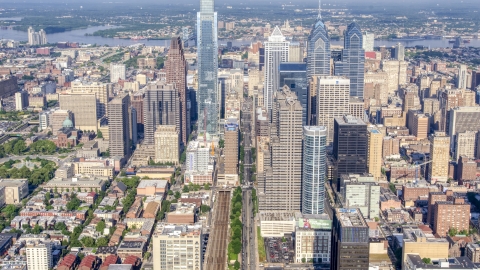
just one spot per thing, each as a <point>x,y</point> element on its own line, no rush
<point>318,62</point>
<point>353,60</point>
<point>207,57</point>
<point>314,169</point>
<point>293,75</point>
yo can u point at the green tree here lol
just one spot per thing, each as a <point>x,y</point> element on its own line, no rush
<point>452,232</point>
<point>236,265</point>
<point>88,241</point>
<point>177,195</point>
<point>100,226</point>
<point>37,229</point>
<point>427,260</point>
<point>101,242</point>
<point>204,208</point>
<point>185,189</point>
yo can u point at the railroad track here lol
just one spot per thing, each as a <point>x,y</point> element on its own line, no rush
<point>216,258</point>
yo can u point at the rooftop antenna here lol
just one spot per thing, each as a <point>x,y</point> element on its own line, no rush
<point>319,9</point>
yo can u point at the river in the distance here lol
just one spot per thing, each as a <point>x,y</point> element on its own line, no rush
<point>79,36</point>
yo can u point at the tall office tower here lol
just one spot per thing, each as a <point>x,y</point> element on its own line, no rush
<point>350,145</point>
<point>418,124</point>
<point>167,144</point>
<point>161,106</point>
<point>294,76</point>
<point>136,100</point>
<point>368,41</point>
<point>465,144</point>
<point>84,109</point>
<point>276,52</point>
<point>399,52</point>
<point>39,255</point>
<point>356,107</point>
<point>440,156</point>
<point>350,246</point>
<point>207,57</point>
<point>295,52</point>
<point>314,169</point>
<point>333,98</point>
<point>462,119</point>
<point>177,247</point>
<point>102,91</point>
<point>411,101</point>
<point>176,69</point>
<point>462,77</point>
<point>231,146</point>
<point>21,100</point>
<point>119,127</point>
<point>396,72</point>
<point>475,79</point>
<point>283,179</point>
<point>318,62</point>
<point>374,159</point>
<point>352,64</point>
<point>117,72</point>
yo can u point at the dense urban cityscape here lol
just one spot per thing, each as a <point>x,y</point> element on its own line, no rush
<point>211,135</point>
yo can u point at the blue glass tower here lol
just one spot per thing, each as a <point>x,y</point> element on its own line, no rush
<point>207,57</point>
<point>318,61</point>
<point>293,75</point>
<point>352,64</point>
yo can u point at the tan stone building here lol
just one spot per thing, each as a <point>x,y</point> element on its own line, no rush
<point>440,156</point>
<point>166,144</point>
<point>231,147</point>
<point>374,159</point>
<point>15,190</point>
<point>84,108</point>
<point>102,91</point>
<point>415,241</point>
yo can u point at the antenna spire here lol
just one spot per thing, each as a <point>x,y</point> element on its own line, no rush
<point>319,9</point>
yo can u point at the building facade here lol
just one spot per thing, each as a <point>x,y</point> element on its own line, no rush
<point>119,127</point>
<point>167,144</point>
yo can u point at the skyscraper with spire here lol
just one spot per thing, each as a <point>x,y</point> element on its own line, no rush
<point>318,60</point>
<point>207,57</point>
<point>352,64</point>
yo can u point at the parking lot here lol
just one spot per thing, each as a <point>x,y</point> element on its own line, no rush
<point>279,250</point>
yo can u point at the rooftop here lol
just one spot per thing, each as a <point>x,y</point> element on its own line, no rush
<point>350,217</point>
<point>152,183</point>
<point>277,216</point>
<point>177,230</point>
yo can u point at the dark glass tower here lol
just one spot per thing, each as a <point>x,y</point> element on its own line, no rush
<point>350,145</point>
<point>352,64</point>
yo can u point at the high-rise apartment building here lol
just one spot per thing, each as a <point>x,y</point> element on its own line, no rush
<point>451,214</point>
<point>21,100</point>
<point>368,41</point>
<point>36,38</point>
<point>352,64</point>
<point>176,68</point>
<point>333,96</point>
<point>418,124</point>
<point>119,127</point>
<point>207,62</point>
<point>44,120</point>
<point>117,72</point>
<point>167,144</point>
<point>440,156</point>
<point>314,169</point>
<point>39,255</point>
<point>281,187</point>
<point>465,144</point>
<point>350,245</point>
<point>102,91</point>
<point>177,247</point>
<point>276,52</point>
<point>350,145</point>
<point>374,159</point>
<point>294,76</point>
<point>462,77</point>
<point>84,109</point>
<point>161,106</point>
<point>295,52</point>
<point>231,146</point>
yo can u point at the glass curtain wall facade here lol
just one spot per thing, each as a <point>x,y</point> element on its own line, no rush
<point>353,60</point>
<point>293,75</point>
<point>314,169</point>
<point>207,57</point>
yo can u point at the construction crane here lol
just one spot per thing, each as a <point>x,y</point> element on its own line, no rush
<point>417,166</point>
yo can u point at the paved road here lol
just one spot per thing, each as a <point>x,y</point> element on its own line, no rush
<point>249,251</point>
